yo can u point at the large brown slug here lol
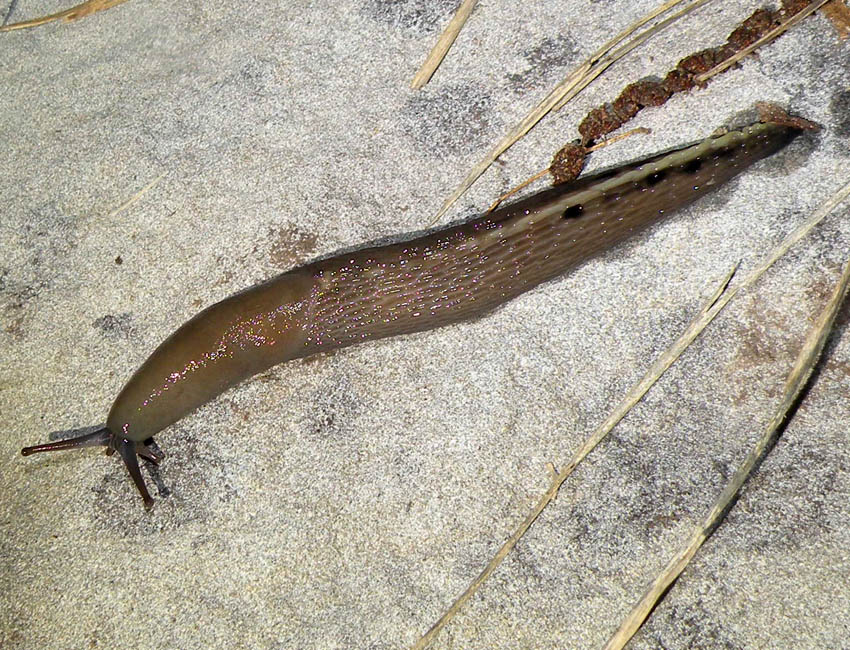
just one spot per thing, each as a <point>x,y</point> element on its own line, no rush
<point>443,277</point>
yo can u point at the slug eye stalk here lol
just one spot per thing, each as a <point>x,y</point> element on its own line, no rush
<point>127,449</point>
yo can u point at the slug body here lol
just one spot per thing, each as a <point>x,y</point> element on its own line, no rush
<point>443,277</point>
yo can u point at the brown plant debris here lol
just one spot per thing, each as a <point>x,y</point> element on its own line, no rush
<point>567,163</point>
<point>652,92</point>
<point>838,14</point>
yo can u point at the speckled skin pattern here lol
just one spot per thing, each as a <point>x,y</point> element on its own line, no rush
<point>443,277</point>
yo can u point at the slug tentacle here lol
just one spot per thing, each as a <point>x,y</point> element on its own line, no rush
<point>103,437</point>
<point>128,450</point>
<point>100,438</point>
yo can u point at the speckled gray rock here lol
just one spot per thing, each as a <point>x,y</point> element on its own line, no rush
<point>345,501</point>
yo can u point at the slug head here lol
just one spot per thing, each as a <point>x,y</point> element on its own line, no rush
<point>126,448</point>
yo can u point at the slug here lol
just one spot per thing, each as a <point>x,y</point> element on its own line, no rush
<point>447,276</point>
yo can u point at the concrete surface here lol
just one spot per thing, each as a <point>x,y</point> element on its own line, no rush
<point>345,501</point>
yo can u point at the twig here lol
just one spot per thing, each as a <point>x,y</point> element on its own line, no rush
<point>712,307</point>
<point>446,40</point>
<point>616,138</point>
<point>11,9</point>
<point>79,11</point>
<point>794,384</point>
<point>620,52</point>
<point>528,181</point>
<point>567,89</point>
<point>552,492</point>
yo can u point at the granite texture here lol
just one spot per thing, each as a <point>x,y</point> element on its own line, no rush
<point>344,501</point>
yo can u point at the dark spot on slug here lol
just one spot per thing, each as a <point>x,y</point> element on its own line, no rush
<point>693,166</point>
<point>573,211</point>
<point>654,179</point>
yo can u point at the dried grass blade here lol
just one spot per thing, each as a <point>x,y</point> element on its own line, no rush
<point>573,83</point>
<point>719,299</point>
<point>444,43</point>
<point>79,11</point>
<point>794,384</point>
